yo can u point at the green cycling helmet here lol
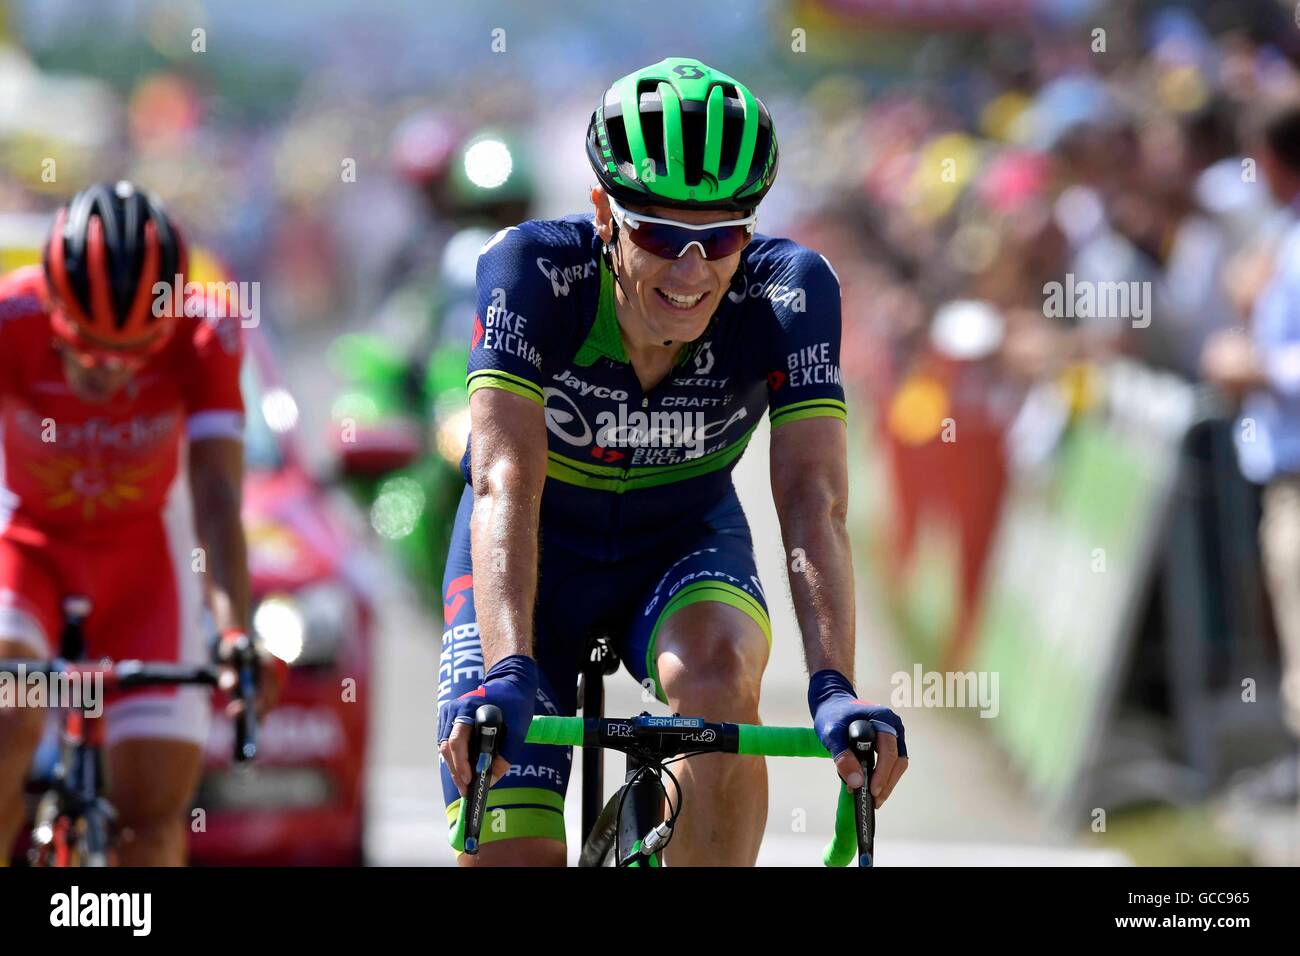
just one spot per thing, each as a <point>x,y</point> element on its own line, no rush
<point>684,135</point>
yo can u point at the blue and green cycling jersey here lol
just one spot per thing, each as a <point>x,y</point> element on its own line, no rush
<point>625,467</point>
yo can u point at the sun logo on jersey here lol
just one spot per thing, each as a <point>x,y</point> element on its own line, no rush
<point>93,483</point>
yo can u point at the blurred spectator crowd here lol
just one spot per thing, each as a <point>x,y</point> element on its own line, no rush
<point>1137,162</point>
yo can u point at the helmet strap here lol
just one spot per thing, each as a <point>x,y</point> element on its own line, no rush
<point>739,274</point>
<point>609,259</point>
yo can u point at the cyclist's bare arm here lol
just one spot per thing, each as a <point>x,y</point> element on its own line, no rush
<point>509,470</point>
<point>810,486</point>
<point>216,474</point>
<point>508,435</point>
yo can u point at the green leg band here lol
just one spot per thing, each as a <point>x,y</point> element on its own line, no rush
<point>694,593</point>
<point>512,813</point>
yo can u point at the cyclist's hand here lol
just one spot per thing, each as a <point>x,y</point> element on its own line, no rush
<point>834,706</point>
<point>272,673</point>
<point>511,684</point>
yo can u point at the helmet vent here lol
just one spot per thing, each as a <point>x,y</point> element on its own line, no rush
<point>762,146</point>
<point>733,127</point>
<point>652,127</point>
<point>693,124</point>
<point>618,141</point>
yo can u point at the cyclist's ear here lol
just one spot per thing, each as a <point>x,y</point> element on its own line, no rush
<point>604,215</point>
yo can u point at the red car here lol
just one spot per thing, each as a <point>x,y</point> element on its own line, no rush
<point>301,801</point>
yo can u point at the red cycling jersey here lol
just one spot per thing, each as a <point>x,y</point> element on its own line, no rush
<point>91,504</point>
<point>71,467</point>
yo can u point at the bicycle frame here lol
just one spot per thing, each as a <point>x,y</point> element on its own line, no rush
<point>634,810</point>
<point>602,827</point>
<point>601,831</point>
<point>601,662</point>
<point>73,821</point>
<point>73,801</point>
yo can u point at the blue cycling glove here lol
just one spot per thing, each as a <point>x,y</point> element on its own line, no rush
<point>834,706</point>
<point>510,684</point>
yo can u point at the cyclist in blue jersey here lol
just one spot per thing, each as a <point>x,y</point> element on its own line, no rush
<point>619,365</point>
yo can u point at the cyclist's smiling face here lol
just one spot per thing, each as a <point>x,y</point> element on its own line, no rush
<point>671,299</point>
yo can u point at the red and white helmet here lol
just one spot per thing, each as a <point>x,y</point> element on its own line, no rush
<point>107,250</point>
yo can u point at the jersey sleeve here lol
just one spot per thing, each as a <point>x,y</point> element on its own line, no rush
<point>213,401</point>
<point>803,375</point>
<point>514,305</point>
<point>8,350</point>
<point>19,305</point>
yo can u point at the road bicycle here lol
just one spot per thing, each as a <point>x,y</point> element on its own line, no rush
<point>73,824</point>
<point>631,828</point>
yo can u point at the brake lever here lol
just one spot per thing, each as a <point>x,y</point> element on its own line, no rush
<point>483,747</point>
<point>244,657</point>
<point>862,743</point>
<point>246,721</point>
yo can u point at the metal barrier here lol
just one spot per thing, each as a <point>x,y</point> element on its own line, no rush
<point>1218,625</point>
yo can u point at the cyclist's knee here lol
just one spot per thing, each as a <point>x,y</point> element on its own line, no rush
<point>153,842</point>
<point>20,727</point>
<point>153,781</point>
<point>710,658</point>
<point>151,785</point>
<point>17,648</point>
<point>20,732</point>
<point>524,851</point>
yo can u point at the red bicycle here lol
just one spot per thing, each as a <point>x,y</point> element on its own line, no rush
<point>73,823</point>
